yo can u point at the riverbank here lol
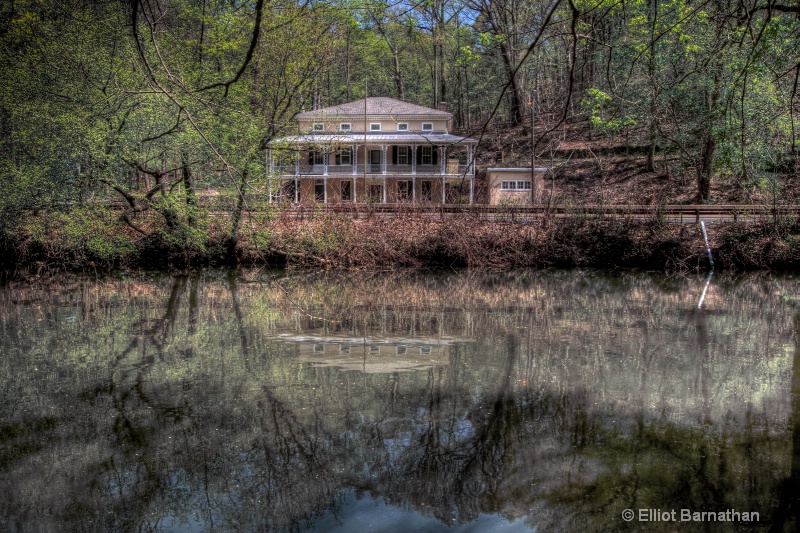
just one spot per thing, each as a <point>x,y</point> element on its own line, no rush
<point>98,241</point>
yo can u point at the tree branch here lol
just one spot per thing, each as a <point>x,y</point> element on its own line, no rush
<point>247,58</point>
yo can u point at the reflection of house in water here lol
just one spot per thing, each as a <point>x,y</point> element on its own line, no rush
<point>377,339</point>
<point>375,355</point>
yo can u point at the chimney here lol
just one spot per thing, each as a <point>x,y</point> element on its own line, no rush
<point>443,106</point>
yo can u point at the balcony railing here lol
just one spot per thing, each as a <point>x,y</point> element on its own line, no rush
<point>373,169</point>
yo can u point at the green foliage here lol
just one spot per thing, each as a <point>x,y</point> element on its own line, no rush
<point>596,104</point>
<point>102,101</point>
<point>81,234</point>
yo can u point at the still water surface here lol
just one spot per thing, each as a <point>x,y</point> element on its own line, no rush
<point>526,401</point>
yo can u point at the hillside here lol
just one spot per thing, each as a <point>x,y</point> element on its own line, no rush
<point>590,168</point>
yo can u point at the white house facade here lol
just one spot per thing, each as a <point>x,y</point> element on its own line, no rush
<point>374,150</point>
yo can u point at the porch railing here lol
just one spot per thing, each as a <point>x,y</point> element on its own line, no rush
<point>451,169</point>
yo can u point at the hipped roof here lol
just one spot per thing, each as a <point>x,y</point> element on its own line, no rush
<point>376,106</point>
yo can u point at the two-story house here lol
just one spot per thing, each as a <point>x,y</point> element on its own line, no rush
<point>378,150</point>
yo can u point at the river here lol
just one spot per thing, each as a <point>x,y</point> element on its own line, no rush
<point>453,401</point>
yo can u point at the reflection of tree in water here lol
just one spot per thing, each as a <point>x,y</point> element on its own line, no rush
<point>459,449</point>
<point>253,470</point>
<point>579,397</point>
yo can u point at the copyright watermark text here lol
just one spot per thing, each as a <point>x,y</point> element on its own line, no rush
<point>688,515</point>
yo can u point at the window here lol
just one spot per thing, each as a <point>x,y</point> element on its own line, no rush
<point>401,350</point>
<point>405,190</point>
<point>319,191</point>
<point>402,126</point>
<point>375,193</point>
<point>318,126</point>
<point>344,157</point>
<point>375,126</point>
<point>402,155</point>
<point>344,126</point>
<point>346,191</point>
<point>427,126</point>
<point>427,155</point>
<point>374,349</point>
<point>515,185</point>
<point>426,190</point>
<point>315,158</point>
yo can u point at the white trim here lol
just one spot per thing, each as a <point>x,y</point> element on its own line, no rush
<point>515,185</point>
<point>349,126</point>
<point>373,128</point>
<point>429,128</point>
<point>402,126</point>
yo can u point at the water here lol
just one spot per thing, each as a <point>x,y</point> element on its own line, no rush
<point>526,401</point>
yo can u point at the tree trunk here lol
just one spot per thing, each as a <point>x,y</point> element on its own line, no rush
<point>236,217</point>
<point>398,76</point>
<point>191,199</point>
<point>705,169</point>
<point>651,147</point>
<point>708,144</point>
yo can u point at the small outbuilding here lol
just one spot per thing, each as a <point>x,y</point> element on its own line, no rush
<point>515,186</point>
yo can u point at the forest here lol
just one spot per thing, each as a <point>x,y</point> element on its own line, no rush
<point>150,102</point>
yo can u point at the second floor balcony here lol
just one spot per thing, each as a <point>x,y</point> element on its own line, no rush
<point>451,168</point>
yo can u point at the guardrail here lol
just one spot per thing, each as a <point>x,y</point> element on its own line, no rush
<point>688,212</point>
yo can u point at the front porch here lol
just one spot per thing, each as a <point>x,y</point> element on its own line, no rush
<point>374,189</point>
<point>348,168</point>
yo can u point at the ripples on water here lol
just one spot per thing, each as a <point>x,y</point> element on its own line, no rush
<point>547,401</point>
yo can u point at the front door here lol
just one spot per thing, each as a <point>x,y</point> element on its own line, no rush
<point>375,162</point>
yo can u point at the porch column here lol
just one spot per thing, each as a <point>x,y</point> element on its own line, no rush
<point>413,189</point>
<point>354,155</point>
<point>297,164</point>
<point>324,163</point>
<point>442,169</point>
<point>383,160</point>
<point>269,169</point>
<point>296,190</point>
<point>413,159</point>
